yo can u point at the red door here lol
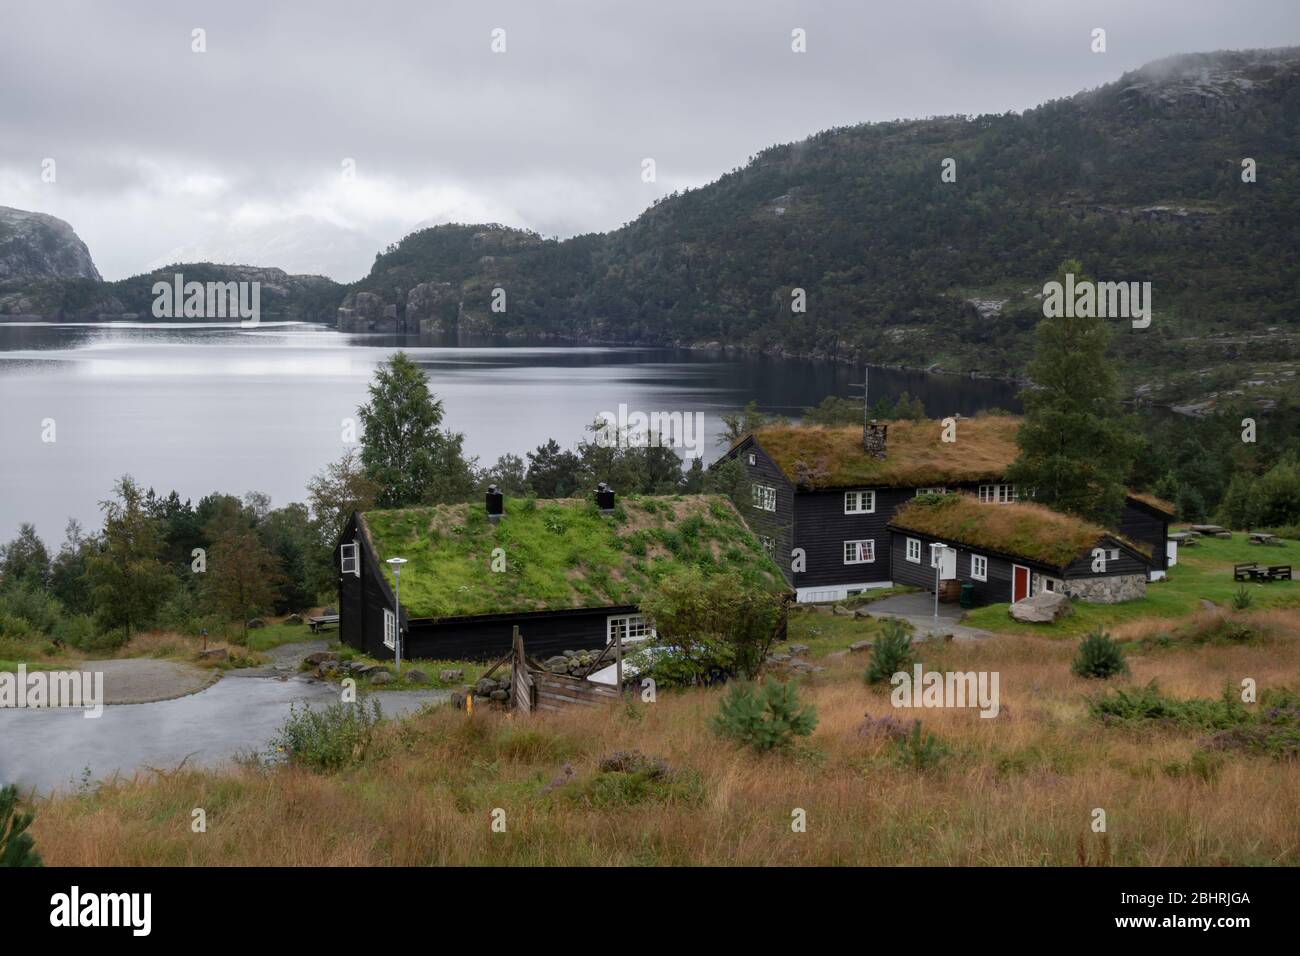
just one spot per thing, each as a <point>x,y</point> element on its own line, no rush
<point>1019,582</point>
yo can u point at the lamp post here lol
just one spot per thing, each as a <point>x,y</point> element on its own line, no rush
<point>396,565</point>
<point>936,559</point>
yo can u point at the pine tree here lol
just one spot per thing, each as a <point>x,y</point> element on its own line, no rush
<point>129,580</point>
<point>1076,450</point>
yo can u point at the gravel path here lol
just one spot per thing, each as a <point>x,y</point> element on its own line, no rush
<point>136,680</point>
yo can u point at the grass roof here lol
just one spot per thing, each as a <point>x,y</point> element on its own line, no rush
<point>826,456</point>
<point>1151,501</point>
<point>559,554</point>
<point>1021,528</point>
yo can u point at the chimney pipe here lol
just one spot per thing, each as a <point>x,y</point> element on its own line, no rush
<point>605,498</point>
<point>495,504</point>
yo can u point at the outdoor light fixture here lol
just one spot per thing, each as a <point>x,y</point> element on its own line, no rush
<point>396,564</point>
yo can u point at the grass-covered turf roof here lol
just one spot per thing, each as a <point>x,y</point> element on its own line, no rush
<point>825,456</point>
<point>559,554</point>
<point>1020,529</point>
<point>1151,501</point>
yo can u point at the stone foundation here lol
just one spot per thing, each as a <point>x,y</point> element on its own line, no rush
<point>1107,590</point>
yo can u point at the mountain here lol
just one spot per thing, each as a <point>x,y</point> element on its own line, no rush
<point>34,245</point>
<point>1140,180</point>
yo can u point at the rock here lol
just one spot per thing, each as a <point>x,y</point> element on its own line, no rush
<point>417,677</point>
<point>380,677</point>
<point>778,658</point>
<point>451,676</point>
<point>1043,608</point>
<point>458,699</point>
<point>485,686</point>
<point>254,623</point>
<point>862,612</point>
<point>571,654</point>
<point>859,646</point>
<point>293,619</point>
<point>214,654</point>
<point>557,665</point>
<point>823,608</point>
<point>839,610</point>
<point>320,657</point>
<point>798,648</point>
<point>37,245</point>
<point>499,695</point>
<point>359,666</point>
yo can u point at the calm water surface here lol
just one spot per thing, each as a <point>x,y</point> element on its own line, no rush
<point>219,408</point>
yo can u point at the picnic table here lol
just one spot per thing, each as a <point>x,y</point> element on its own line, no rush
<point>1253,572</point>
<point>1263,537</point>
<point>324,621</point>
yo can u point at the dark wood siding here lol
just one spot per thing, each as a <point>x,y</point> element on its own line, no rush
<point>780,524</point>
<point>996,590</point>
<point>362,600</point>
<point>1147,527</point>
<point>821,527</point>
<point>1127,563</point>
<point>545,634</point>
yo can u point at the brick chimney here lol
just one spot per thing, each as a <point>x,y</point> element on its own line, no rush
<point>873,438</point>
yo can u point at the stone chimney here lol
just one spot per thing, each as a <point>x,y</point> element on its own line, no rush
<point>496,504</point>
<point>605,498</point>
<point>873,438</point>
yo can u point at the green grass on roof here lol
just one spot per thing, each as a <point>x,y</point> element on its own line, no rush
<point>559,554</point>
<point>823,456</point>
<point>1029,530</point>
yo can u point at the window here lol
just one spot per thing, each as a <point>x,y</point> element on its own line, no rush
<point>390,629</point>
<point>348,561</point>
<point>627,627</point>
<point>764,497</point>
<point>979,567</point>
<point>998,494</point>
<point>859,502</point>
<point>935,490</point>
<point>859,552</point>
<point>753,459</point>
<point>914,550</point>
<point>769,545</point>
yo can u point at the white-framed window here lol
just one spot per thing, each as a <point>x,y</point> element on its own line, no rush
<point>979,567</point>
<point>349,562</point>
<point>752,459</point>
<point>629,627</point>
<point>998,494</point>
<point>859,552</point>
<point>764,497</point>
<point>390,629</point>
<point>914,550</point>
<point>859,502</point>
<point>934,490</point>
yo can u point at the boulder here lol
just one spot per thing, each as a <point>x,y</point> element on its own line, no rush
<point>841,611</point>
<point>861,612</point>
<point>417,677</point>
<point>499,695</point>
<point>214,654</point>
<point>451,676</point>
<point>254,623</point>
<point>380,677</point>
<point>557,665</point>
<point>320,657</point>
<point>293,619</point>
<point>485,686</point>
<point>859,646</point>
<point>1043,608</point>
<point>798,648</point>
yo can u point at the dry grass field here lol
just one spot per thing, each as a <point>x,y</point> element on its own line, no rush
<point>1019,789</point>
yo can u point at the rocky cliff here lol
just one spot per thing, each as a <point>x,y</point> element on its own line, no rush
<point>34,245</point>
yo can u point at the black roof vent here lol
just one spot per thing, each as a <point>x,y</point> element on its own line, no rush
<point>605,498</point>
<point>496,504</point>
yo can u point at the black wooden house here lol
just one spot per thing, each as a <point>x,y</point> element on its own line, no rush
<point>820,498</point>
<point>569,573</point>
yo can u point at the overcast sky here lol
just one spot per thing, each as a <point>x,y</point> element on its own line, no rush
<point>237,154</point>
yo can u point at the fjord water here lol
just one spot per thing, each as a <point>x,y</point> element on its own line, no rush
<point>203,408</point>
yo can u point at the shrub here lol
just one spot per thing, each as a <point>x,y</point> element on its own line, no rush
<point>765,718</point>
<point>919,752</point>
<point>16,845</point>
<point>891,653</point>
<point>330,738</point>
<point>1242,599</point>
<point>1099,657</point>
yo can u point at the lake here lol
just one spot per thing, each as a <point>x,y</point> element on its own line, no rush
<point>214,407</point>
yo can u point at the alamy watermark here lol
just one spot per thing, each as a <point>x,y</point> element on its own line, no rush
<point>83,689</point>
<point>1086,299</point>
<point>636,429</point>
<point>933,689</point>
<point>179,299</point>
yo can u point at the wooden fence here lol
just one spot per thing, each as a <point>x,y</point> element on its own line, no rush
<point>532,687</point>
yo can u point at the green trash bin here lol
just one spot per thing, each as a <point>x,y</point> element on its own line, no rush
<point>967,599</point>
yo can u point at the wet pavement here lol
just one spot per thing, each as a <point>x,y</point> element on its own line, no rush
<point>918,610</point>
<point>60,749</point>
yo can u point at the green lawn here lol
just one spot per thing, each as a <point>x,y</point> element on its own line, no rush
<point>1203,571</point>
<point>824,633</point>
<point>473,671</point>
<point>273,635</point>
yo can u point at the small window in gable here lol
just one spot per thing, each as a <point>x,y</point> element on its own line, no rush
<point>349,563</point>
<point>753,459</point>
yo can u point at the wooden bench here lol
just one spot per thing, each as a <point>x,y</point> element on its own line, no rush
<point>324,622</point>
<point>1279,572</point>
<point>1249,572</point>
